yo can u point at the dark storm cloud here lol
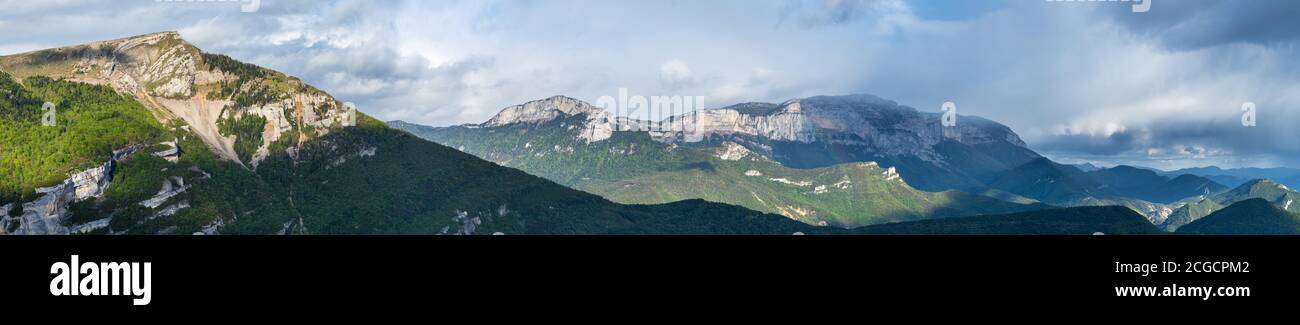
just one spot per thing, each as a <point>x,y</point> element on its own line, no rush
<point>1207,141</point>
<point>1114,144</point>
<point>1197,24</point>
<point>815,13</point>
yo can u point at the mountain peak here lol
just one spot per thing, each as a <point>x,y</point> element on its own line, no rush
<point>1040,162</point>
<point>597,126</point>
<point>1263,183</point>
<point>163,34</point>
<point>1262,188</point>
<point>1087,167</point>
<point>110,46</point>
<point>165,73</point>
<point>543,110</point>
<point>792,107</point>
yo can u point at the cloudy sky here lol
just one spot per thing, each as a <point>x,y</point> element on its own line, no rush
<point>1080,81</point>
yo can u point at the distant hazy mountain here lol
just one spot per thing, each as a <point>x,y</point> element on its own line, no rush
<point>1248,217</point>
<point>557,138</point>
<point>829,130</point>
<point>1147,185</point>
<point>1238,176</point>
<point>1147,193</point>
<point>1050,182</point>
<point>1087,167</point>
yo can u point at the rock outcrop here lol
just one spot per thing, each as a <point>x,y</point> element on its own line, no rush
<point>46,214</point>
<point>732,151</point>
<point>8,223</point>
<point>786,124</point>
<point>171,187</point>
<point>173,152</point>
<point>599,125</point>
<point>863,120</point>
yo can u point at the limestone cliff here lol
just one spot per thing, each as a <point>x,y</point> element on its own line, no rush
<point>46,214</point>
<point>598,125</point>
<point>818,132</point>
<point>862,120</point>
<point>179,82</point>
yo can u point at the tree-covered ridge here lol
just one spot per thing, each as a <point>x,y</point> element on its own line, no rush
<point>244,71</point>
<point>553,151</point>
<point>90,122</point>
<point>633,168</point>
<point>1248,217</point>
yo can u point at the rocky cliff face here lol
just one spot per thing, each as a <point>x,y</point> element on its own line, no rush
<point>4,217</point>
<point>788,124</point>
<point>45,215</point>
<point>862,120</point>
<point>868,120</point>
<point>175,79</point>
<point>599,125</point>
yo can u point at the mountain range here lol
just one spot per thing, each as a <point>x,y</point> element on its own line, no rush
<point>729,162</point>
<point>151,135</point>
<point>1238,176</point>
<point>796,159</point>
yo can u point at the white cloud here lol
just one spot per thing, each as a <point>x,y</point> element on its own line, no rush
<point>1072,79</point>
<point>675,74</point>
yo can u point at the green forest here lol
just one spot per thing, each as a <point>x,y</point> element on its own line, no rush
<point>90,121</point>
